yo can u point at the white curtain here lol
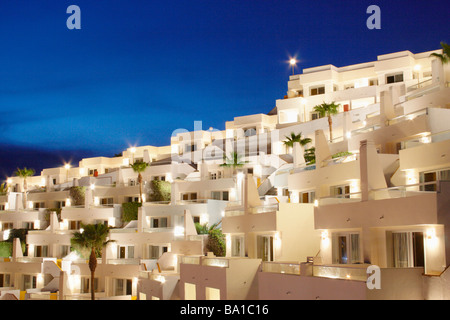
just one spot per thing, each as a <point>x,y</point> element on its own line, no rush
<point>401,249</point>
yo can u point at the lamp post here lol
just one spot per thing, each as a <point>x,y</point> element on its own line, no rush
<point>417,69</point>
<point>293,62</point>
<point>67,166</point>
<point>133,151</point>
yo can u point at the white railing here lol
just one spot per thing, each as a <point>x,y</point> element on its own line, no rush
<point>352,272</point>
<point>281,267</point>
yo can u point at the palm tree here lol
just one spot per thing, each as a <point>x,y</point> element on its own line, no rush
<point>24,173</point>
<point>328,109</point>
<point>234,161</point>
<point>91,239</point>
<point>445,56</point>
<point>296,138</point>
<point>140,167</point>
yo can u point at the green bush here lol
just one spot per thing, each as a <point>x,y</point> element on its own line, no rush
<point>77,195</point>
<point>341,154</point>
<point>216,242</point>
<point>5,249</point>
<point>160,190</point>
<point>130,211</point>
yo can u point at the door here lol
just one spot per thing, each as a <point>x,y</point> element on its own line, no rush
<point>408,249</point>
<point>265,248</point>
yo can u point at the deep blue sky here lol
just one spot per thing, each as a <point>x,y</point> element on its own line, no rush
<point>138,70</point>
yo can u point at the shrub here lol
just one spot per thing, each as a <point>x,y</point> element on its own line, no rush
<point>130,211</point>
<point>77,195</point>
<point>160,190</point>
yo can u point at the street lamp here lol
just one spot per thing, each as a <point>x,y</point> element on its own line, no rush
<point>293,63</point>
<point>417,69</point>
<point>133,151</point>
<point>67,166</point>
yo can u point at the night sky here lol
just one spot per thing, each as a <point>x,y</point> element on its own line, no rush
<point>138,70</point>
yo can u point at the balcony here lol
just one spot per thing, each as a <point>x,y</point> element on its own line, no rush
<point>397,206</point>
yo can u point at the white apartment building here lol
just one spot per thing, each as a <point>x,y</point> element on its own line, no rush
<point>375,195</point>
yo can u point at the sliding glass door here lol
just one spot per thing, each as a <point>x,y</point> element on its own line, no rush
<point>407,249</point>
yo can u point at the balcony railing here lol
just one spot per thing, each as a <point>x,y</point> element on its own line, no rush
<point>281,267</point>
<point>409,190</point>
<point>352,272</point>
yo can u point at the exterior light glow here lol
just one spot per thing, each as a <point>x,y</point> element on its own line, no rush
<point>67,166</point>
<point>178,231</point>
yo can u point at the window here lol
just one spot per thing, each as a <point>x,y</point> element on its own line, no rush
<point>107,201</point>
<point>307,197</point>
<point>60,204</point>
<point>316,91</point>
<point>122,287</point>
<point>153,252</point>
<point>37,205</point>
<point>394,78</point>
<point>125,252</point>
<point>28,225</point>
<point>220,195</point>
<point>250,132</point>
<point>159,223</point>
<point>373,82</point>
<point>237,246</point>
<point>189,196</point>
<point>74,225</point>
<point>342,191</point>
<point>85,285</point>
<point>5,279</point>
<point>190,148</point>
<point>64,250</point>
<point>346,248</point>
<point>407,249</point>
<point>132,199</point>
<point>28,282</point>
<point>315,115</point>
<point>7,226</point>
<point>41,251</point>
<point>265,248</point>
<point>433,176</point>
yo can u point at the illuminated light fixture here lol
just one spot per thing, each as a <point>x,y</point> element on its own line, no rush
<point>67,166</point>
<point>178,231</point>
<point>417,67</point>
<point>425,139</point>
<point>9,181</point>
<point>364,123</point>
<point>431,234</point>
<point>81,230</point>
<point>316,203</point>
<point>324,235</point>
<point>133,150</point>
<point>6,234</point>
<point>348,134</point>
<point>293,63</point>
<point>92,186</point>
